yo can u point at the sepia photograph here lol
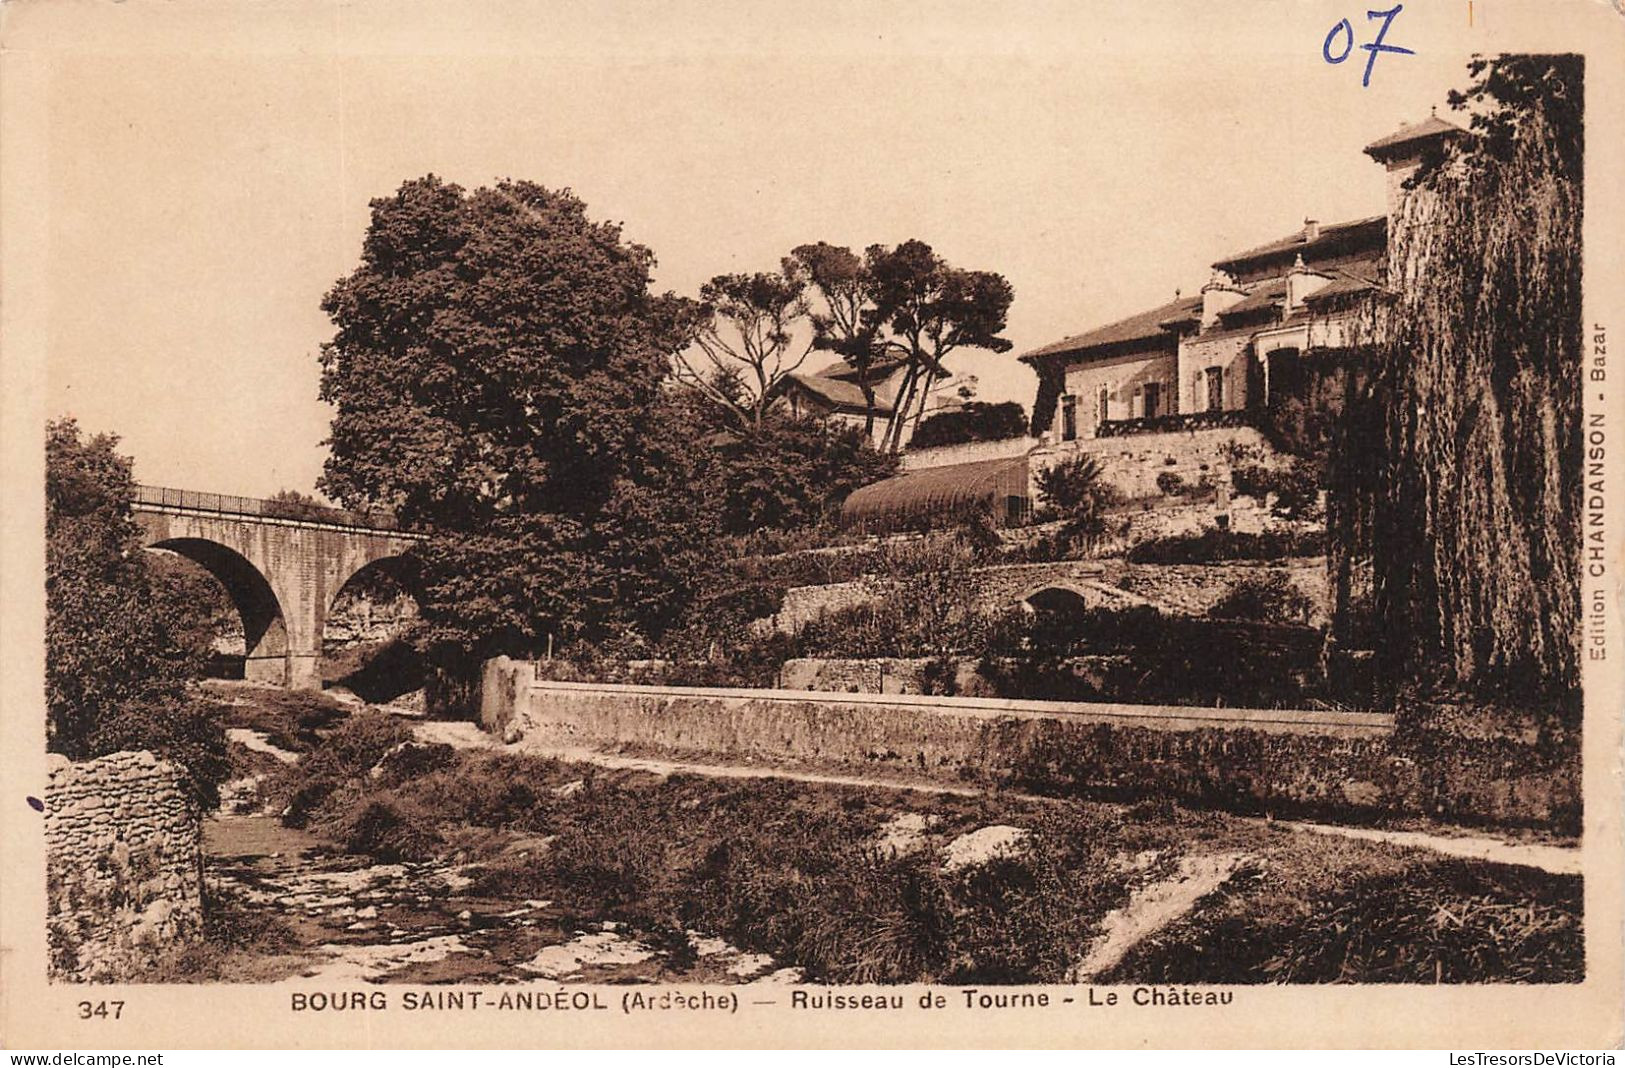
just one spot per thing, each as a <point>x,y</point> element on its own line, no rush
<point>1033,524</point>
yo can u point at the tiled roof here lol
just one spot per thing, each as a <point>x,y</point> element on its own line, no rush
<point>1428,128</point>
<point>840,395</point>
<point>841,369</point>
<point>1266,294</point>
<point>1353,278</point>
<point>1372,229</point>
<point>1139,327</point>
<point>1221,332</point>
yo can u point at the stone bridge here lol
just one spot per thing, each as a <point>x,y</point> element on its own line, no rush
<point>282,566</point>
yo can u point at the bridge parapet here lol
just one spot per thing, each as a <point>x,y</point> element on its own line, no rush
<point>169,499</point>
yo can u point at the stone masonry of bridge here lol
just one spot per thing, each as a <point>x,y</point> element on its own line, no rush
<point>282,574</point>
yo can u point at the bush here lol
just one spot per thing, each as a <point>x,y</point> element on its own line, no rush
<point>324,777</point>
<point>976,421</point>
<point>1170,484</point>
<point>1270,599</point>
<point>1296,487</point>
<point>360,742</point>
<point>1076,492</point>
<point>388,831</point>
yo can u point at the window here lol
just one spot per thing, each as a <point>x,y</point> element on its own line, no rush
<point>1215,389</point>
<point>1103,405</point>
<point>1153,399</point>
<point>1069,417</point>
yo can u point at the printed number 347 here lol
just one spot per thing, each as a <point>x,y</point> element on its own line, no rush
<point>100,1010</point>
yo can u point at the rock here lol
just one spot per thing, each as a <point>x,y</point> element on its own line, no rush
<point>569,789</point>
<point>985,844</point>
<point>368,913</point>
<point>512,734</point>
<point>904,833</point>
<point>465,915</point>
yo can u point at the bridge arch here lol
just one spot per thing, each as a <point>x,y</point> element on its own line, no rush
<point>361,629</point>
<point>283,572</point>
<point>265,628</point>
<point>1062,599</point>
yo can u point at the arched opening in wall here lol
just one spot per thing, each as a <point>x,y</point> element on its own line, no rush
<point>250,635</point>
<point>1058,601</point>
<point>365,635</point>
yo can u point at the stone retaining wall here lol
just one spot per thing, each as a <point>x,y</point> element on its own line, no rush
<point>1323,764</point>
<point>124,866</point>
<point>1131,462</point>
<point>1187,589</point>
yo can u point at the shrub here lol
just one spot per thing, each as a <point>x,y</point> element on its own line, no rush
<point>1269,599</point>
<point>387,830</point>
<point>1170,484</point>
<point>976,421</point>
<point>361,741</point>
<point>1077,493</point>
<point>1296,487</point>
<point>324,775</point>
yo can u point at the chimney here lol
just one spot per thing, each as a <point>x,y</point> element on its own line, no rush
<point>1311,230</point>
<point>1219,293</point>
<point>1300,282</point>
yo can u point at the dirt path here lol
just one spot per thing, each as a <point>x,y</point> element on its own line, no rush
<point>1559,860</point>
<point>1153,907</point>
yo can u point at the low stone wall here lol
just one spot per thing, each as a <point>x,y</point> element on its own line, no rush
<point>1188,589</point>
<point>1324,764</point>
<point>124,866</point>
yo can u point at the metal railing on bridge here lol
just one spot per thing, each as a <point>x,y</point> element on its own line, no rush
<point>227,504</point>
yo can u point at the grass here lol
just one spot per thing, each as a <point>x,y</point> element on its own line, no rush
<point>793,870</point>
<point>290,719</point>
<point>1345,915</point>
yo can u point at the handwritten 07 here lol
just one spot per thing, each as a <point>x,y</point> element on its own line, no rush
<point>1343,34</point>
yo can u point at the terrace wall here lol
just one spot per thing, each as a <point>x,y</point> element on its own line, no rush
<point>1328,764</point>
<point>1130,463</point>
<point>1188,589</point>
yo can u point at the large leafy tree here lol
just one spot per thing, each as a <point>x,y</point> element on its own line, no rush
<point>1456,480</point>
<point>122,641</point>
<point>495,371</point>
<point>497,354</point>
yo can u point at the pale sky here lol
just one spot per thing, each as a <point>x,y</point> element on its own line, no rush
<point>207,185</point>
